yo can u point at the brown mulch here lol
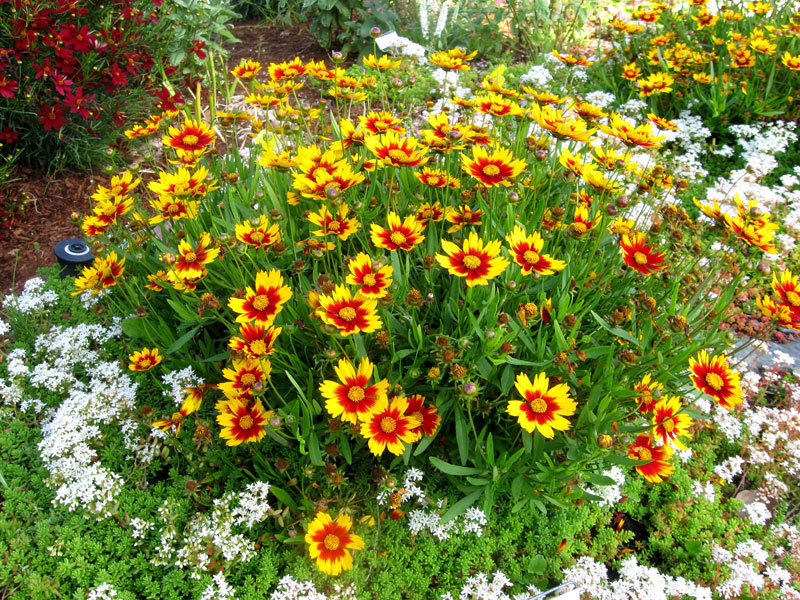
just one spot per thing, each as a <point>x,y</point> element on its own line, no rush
<point>47,202</point>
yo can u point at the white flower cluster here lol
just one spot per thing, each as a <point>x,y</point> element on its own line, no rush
<point>290,588</point>
<point>690,140</point>
<point>744,564</point>
<point>427,512</point>
<point>729,468</point>
<point>219,589</point>
<point>706,491</point>
<point>104,591</point>
<point>175,381</point>
<point>610,494</point>
<point>635,582</point>
<point>189,548</point>
<point>480,587</point>
<point>34,299</point>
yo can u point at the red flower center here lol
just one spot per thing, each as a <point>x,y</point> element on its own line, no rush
<point>714,381</point>
<point>331,541</point>
<point>388,424</point>
<point>355,393</point>
<point>246,422</point>
<point>348,313</point>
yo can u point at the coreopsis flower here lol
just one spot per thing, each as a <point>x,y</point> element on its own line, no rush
<point>658,466</point>
<point>426,413</point>
<point>258,233</point>
<point>243,422</point>
<point>246,69</point>
<point>263,303</point>
<point>543,408</point>
<point>353,398</point>
<point>350,135</point>
<point>543,97</point>
<point>445,61</point>
<point>788,290</point>
<point>780,313</point>
<point>526,251</point>
<point>621,226</point>
<point>587,110</point>
<point>792,62</point>
<point>399,236</point>
<point>497,167</point>
<point>669,424</point>
<point>191,261</point>
<point>570,60</point>
<point>93,225</point>
<point>648,392</point>
<point>120,185</point>
<point>108,211</point>
<point>445,136</point>
<point>655,83</point>
<point>183,183</point>
<point>495,82</point>
<point>172,208</point>
<point>461,217</point>
<point>759,8</point>
<point>325,185</point>
<point>741,58</point>
<point>334,224</point>
<point>701,77</point>
<point>639,256</point>
<point>191,137</point>
<point>703,18</point>
<point>374,281</point>
<point>108,271</point>
<point>428,212</point>
<point>641,135</point>
<point>245,376</point>
<point>286,70</point>
<point>437,178</point>
<point>144,359</point>
<point>755,231</point>
<point>388,427</point>
<point>497,105</point>
<point>257,340</point>
<point>347,313</point>
<point>631,72</point>
<point>555,121</point>
<point>662,123</point>
<point>473,261</point>
<point>713,210</point>
<point>329,542</point>
<point>190,405</point>
<point>572,162</point>
<point>582,222</point>
<point>346,94</point>
<point>714,377</point>
<point>629,28</point>
<point>380,122</point>
<point>609,158</point>
<point>270,159</point>
<point>384,63</point>
<point>396,151</point>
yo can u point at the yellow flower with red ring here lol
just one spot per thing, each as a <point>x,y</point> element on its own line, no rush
<point>427,414</point>
<point>191,260</point>
<point>374,281</point>
<point>461,217</point>
<point>396,151</point>
<point>347,313</point>
<point>353,398</point>
<point>400,235</point>
<point>669,423</point>
<point>257,340</point>
<point>334,224</point>
<point>258,233</point>
<point>497,167</point>
<point>245,377</point>
<point>445,61</point>
<point>527,253</point>
<point>243,422</point>
<point>639,256</point>
<point>714,377</point>
<point>144,359</point>
<point>190,405</point>
<point>380,122</point>
<point>646,389</point>
<point>286,70</point>
<point>543,408</point>
<point>473,261</point>
<point>388,427</point>
<point>246,69</point>
<point>384,63</point>
<point>263,303</point>
<point>658,457</point>
<point>191,137</point>
<point>329,543</point>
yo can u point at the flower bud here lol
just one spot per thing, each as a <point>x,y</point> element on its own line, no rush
<point>605,441</point>
<point>470,388</point>
<point>375,32</point>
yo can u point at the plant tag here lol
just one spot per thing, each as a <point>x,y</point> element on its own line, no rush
<point>386,40</point>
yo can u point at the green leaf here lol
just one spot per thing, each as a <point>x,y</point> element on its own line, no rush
<point>446,467</point>
<point>537,565</point>
<point>135,327</point>
<point>314,452</point>
<point>462,437</point>
<point>598,479</point>
<point>507,379</point>
<point>283,497</point>
<point>620,333</point>
<point>183,340</point>
<point>460,506</point>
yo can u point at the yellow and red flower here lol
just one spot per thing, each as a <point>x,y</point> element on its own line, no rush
<point>714,377</point>
<point>191,137</point>
<point>497,167</point>
<point>246,69</point>
<point>286,70</point>
<point>380,122</point>
<point>461,217</point>
<point>631,135</point>
<point>646,390</point>
<point>543,408</point>
<point>658,466</point>
<point>190,405</point>
<point>396,151</point>
<point>243,422</point>
<point>388,427</point>
<point>669,423</point>
<point>330,224</point>
<point>436,178</point>
<point>526,251</point>
<point>400,235</point>
<point>374,282</point>
<point>191,261</point>
<point>245,376</point>
<point>428,212</point>
<point>264,302</point>
<point>144,359</point>
<point>384,63</point>
<point>347,313</point>
<point>427,414</point>
<point>258,233</point>
<point>639,256</point>
<point>446,61</point>
<point>256,341</point>
<point>353,398</point>
<point>473,261</point>
<point>329,541</point>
